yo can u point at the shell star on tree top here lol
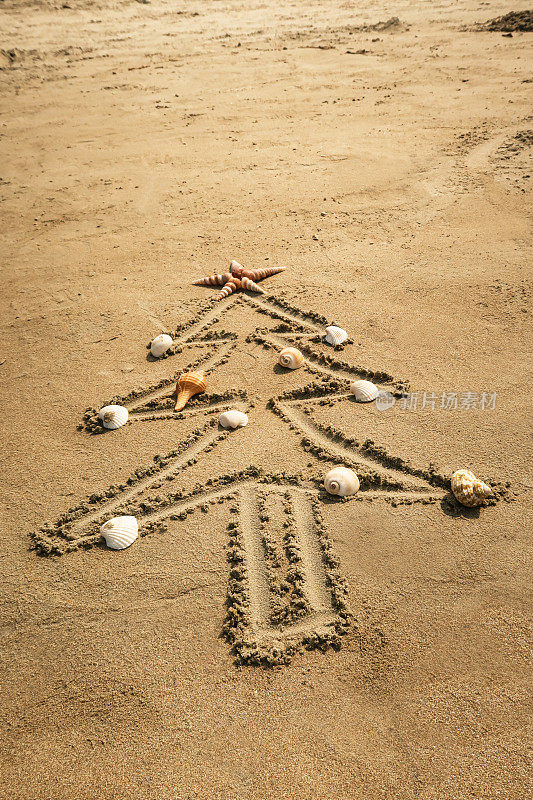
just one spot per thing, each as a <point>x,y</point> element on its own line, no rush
<point>238,278</point>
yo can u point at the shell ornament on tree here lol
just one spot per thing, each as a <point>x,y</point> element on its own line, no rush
<point>113,417</point>
<point>233,419</point>
<point>189,384</point>
<point>364,391</point>
<point>160,345</point>
<point>120,532</point>
<point>335,335</point>
<point>468,490</point>
<point>291,358</point>
<point>341,481</point>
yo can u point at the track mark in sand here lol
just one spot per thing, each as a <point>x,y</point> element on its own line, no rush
<point>294,316</point>
<point>397,479</point>
<point>154,414</point>
<point>312,565</point>
<point>258,591</point>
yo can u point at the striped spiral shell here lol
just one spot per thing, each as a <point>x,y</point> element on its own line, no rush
<point>335,335</point>
<point>291,358</point>
<point>233,419</point>
<point>120,532</point>
<point>113,417</point>
<point>341,481</point>
<point>251,286</point>
<point>364,391</point>
<point>231,286</point>
<point>213,280</point>
<point>189,384</point>
<point>160,344</point>
<point>263,272</point>
<point>236,269</point>
<point>468,489</point>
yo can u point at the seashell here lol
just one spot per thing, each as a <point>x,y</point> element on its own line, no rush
<point>468,489</point>
<point>262,272</point>
<point>113,417</point>
<point>251,286</point>
<point>364,391</point>
<point>233,419</point>
<point>335,335</point>
<point>160,344</point>
<point>189,384</point>
<point>341,481</point>
<point>120,532</point>
<point>213,280</point>
<point>291,358</point>
<point>231,286</point>
<point>236,269</point>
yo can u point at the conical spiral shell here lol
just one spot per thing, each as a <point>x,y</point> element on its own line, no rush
<point>335,335</point>
<point>189,384</point>
<point>231,286</point>
<point>233,419</point>
<point>160,344</point>
<point>251,286</point>
<point>291,358</point>
<point>263,272</point>
<point>236,269</point>
<point>341,481</point>
<point>113,417</point>
<point>213,280</point>
<point>120,532</point>
<point>364,391</point>
<point>468,490</point>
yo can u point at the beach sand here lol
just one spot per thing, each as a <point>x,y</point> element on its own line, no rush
<point>261,639</point>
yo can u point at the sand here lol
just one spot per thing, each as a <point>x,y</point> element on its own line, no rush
<point>261,638</point>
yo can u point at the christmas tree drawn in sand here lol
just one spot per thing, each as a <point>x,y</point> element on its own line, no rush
<point>285,587</point>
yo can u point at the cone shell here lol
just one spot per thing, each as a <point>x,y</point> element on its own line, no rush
<point>189,384</point>
<point>364,391</point>
<point>250,285</point>
<point>213,280</point>
<point>120,532</point>
<point>231,286</point>
<point>335,335</point>
<point>160,344</point>
<point>291,358</point>
<point>233,419</point>
<point>236,269</point>
<point>341,481</point>
<point>468,490</point>
<point>113,417</point>
<point>263,272</point>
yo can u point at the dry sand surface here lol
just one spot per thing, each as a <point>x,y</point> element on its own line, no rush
<point>145,145</point>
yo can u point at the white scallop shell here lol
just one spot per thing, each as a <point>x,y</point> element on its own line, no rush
<point>335,335</point>
<point>291,358</point>
<point>160,344</point>
<point>364,391</point>
<point>468,489</point>
<point>233,419</point>
<point>341,481</point>
<point>113,417</point>
<point>120,532</point>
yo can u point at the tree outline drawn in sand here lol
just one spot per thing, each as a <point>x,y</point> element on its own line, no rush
<point>285,589</point>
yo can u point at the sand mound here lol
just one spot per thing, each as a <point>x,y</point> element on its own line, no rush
<point>513,21</point>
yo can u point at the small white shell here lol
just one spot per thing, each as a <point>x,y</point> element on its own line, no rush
<point>341,481</point>
<point>291,358</point>
<point>233,419</point>
<point>120,532</point>
<point>335,335</point>
<point>468,489</point>
<point>113,417</point>
<point>160,344</point>
<point>364,391</point>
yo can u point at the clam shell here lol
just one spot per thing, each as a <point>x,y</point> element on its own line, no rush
<point>113,417</point>
<point>233,419</point>
<point>341,481</point>
<point>335,335</point>
<point>120,532</point>
<point>160,344</point>
<point>364,391</point>
<point>468,489</point>
<point>291,358</point>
